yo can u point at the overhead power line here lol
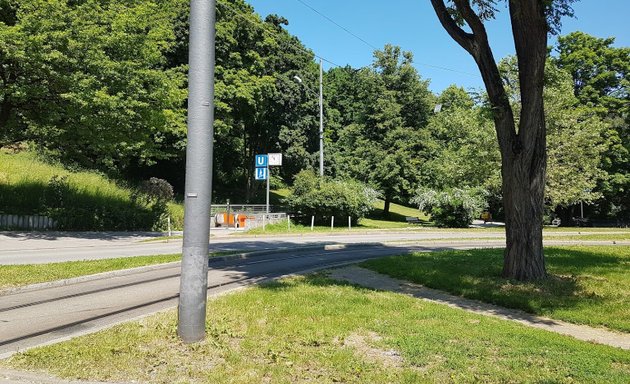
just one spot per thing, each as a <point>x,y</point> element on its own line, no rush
<point>263,27</point>
<point>372,45</point>
<point>338,25</point>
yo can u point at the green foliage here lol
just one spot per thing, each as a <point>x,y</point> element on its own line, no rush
<point>600,81</point>
<point>555,10</point>
<point>575,137</point>
<point>381,143</point>
<point>461,146</point>
<point>260,107</point>
<point>86,81</point>
<point>453,208</point>
<point>324,198</point>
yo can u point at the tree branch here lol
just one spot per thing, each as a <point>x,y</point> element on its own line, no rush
<point>471,18</point>
<point>462,37</point>
<point>479,48</point>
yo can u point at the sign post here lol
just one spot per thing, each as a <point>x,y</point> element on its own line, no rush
<point>262,163</point>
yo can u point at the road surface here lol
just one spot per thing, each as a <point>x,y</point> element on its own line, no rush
<point>49,247</point>
<point>39,248</point>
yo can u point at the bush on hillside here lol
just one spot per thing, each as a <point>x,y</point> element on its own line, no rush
<point>324,198</point>
<point>75,210</point>
<point>455,208</point>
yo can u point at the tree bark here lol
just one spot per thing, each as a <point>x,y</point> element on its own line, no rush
<point>386,206</point>
<point>523,151</point>
<point>5,115</point>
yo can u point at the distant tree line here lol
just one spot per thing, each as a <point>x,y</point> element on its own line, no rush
<point>102,85</point>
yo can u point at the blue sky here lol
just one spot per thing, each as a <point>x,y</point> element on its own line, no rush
<point>412,24</point>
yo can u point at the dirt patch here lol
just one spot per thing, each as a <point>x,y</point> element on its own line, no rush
<point>362,344</point>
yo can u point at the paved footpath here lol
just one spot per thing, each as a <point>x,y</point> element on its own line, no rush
<point>18,377</point>
<point>371,279</point>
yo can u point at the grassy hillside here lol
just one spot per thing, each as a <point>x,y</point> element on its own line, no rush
<point>77,200</point>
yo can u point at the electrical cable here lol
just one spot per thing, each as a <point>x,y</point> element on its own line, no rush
<point>238,13</point>
<point>373,46</point>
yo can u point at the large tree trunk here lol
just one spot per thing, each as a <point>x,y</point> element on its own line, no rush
<point>523,188</point>
<point>523,151</point>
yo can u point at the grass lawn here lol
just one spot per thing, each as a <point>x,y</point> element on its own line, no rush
<point>614,236</point>
<point>311,329</point>
<point>587,285</point>
<point>340,227</point>
<point>19,275</point>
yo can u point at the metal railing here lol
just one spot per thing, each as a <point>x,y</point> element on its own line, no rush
<point>36,222</point>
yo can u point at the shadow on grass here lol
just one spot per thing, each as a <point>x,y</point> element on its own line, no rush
<point>379,214</point>
<point>476,274</point>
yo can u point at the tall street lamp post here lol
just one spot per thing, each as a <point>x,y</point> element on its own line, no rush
<point>198,193</point>
<point>321,115</point>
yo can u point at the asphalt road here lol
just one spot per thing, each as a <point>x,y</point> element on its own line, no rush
<point>36,317</point>
<point>49,247</point>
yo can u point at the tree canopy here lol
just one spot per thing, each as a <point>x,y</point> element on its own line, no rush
<point>102,84</point>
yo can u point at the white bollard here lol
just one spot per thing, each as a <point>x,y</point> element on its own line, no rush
<point>289,222</point>
<point>332,223</point>
<point>168,221</point>
<point>264,222</point>
<point>312,222</point>
<point>349,223</point>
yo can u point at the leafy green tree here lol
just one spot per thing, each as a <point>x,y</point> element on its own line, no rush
<point>85,81</point>
<point>461,146</point>
<point>575,137</point>
<point>576,145</point>
<point>382,146</point>
<point>522,141</point>
<point>260,107</point>
<point>600,81</point>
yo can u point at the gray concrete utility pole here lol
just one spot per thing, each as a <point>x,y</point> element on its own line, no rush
<point>193,290</point>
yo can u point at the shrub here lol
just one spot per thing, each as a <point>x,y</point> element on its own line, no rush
<point>455,208</point>
<point>324,198</point>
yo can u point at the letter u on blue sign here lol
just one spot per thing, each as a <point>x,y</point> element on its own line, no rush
<point>261,160</point>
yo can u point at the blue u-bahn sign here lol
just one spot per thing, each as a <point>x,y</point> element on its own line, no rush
<point>261,161</point>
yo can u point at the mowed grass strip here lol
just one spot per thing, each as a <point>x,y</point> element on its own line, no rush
<point>613,236</point>
<point>586,285</point>
<point>311,329</point>
<point>19,275</point>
